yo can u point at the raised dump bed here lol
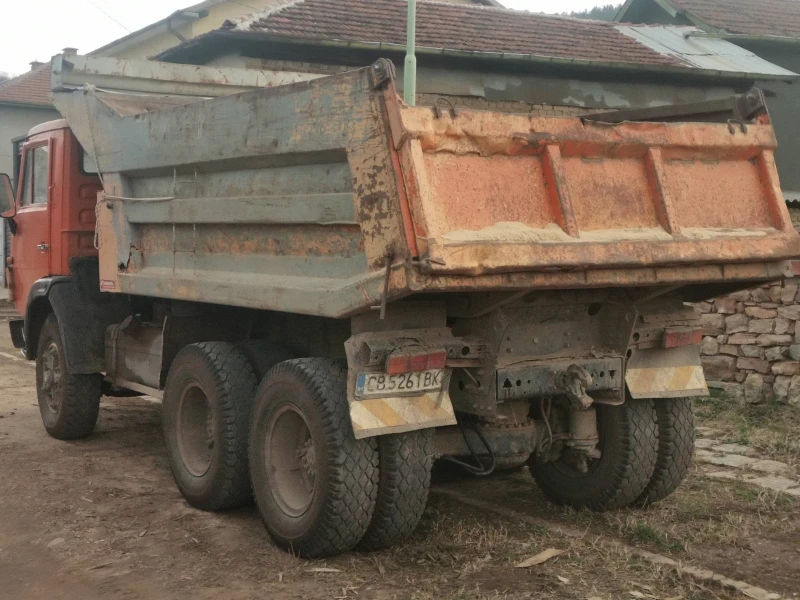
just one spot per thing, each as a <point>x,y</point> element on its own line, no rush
<point>291,198</point>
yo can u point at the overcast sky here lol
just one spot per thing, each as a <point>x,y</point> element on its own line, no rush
<point>37,29</point>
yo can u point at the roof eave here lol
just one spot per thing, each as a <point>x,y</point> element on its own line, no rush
<point>149,31</point>
<point>500,57</point>
<point>17,104</point>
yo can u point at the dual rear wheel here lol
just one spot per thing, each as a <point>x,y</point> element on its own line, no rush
<point>646,450</point>
<point>288,442</point>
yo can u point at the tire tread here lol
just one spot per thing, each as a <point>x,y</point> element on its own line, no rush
<point>235,384</point>
<point>352,464</point>
<point>675,449</point>
<point>406,461</point>
<point>80,403</point>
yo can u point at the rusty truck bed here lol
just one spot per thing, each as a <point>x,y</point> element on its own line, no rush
<point>294,198</point>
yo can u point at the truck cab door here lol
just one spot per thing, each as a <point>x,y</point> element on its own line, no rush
<point>30,246</point>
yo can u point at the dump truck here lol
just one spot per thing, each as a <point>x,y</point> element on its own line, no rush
<point>329,289</point>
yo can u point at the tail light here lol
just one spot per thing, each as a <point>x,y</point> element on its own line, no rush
<point>677,337</point>
<point>412,362</point>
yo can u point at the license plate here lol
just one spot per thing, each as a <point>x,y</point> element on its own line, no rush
<point>383,385</point>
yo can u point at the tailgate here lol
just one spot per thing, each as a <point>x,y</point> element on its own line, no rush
<point>490,192</point>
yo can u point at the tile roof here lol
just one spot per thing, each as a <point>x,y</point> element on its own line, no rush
<point>32,88</point>
<point>454,27</point>
<point>750,17</point>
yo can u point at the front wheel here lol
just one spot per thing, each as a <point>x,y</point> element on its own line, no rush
<point>314,483</point>
<point>629,448</point>
<point>69,404</point>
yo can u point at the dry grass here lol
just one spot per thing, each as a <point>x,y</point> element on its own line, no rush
<point>470,556</point>
<point>703,513</point>
<point>771,429</point>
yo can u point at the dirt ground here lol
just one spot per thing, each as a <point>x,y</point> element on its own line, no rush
<point>101,518</point>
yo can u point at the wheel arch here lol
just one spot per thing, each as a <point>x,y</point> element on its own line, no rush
<point>36,312</point>
<point>82,312</point>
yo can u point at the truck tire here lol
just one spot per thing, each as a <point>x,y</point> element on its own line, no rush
<point>69,404</point>
<point>406,460</point>
<point>675,449</point>
<point>629,446</point>
<point>263,355</point>
<point>315,484</point>
<point>207,400</point>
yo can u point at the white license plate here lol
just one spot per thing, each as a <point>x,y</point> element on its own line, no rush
<point>383,385</point>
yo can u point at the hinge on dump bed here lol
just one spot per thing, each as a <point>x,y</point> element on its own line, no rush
<point>739,108</point>
<point>381,71</point>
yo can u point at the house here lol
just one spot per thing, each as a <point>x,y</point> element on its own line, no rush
<point>767,28</point>
<point>488,57</point>
<point>25,100</point>
<point>196,20</point>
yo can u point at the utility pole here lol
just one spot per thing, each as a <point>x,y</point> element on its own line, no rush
<point>410,72</point>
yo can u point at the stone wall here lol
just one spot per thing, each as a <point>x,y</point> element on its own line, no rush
<point>751,348</point>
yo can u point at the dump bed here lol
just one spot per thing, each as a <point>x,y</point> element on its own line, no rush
<point>296,198</point>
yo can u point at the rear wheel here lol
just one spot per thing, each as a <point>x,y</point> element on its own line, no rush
<point>207,400</point>
<point>314,483</point>
<point>628,446</point>
<point>69,404</point>
<point>406,460</point>
<point>675,448</point>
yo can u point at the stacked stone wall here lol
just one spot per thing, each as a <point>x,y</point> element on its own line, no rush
<point>751,344</point>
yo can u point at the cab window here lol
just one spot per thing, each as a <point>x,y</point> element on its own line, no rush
<point>35,179</point>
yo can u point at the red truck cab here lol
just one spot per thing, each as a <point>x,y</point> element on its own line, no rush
<point>53,209</point>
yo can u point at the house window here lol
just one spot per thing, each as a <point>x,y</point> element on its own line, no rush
<point>35,180</point>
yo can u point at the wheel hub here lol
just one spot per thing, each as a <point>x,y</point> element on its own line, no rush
<point>51,376</point>
<point>291,460</point>
<point>196,430</point>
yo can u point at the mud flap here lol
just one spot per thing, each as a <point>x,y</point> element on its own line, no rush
<point>381,416</point>
<point>670,373</point>
<point>370,417</point>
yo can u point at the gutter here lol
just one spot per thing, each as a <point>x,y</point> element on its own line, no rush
<point>746,37</point>
<point>13,104</point>
<point>511,58</point>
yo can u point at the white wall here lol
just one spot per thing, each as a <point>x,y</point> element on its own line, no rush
<point>14,122</point>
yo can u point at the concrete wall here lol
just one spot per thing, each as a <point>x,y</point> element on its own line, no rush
<point>493,90</point>
<point>14,122</point>
<point>154,40</point>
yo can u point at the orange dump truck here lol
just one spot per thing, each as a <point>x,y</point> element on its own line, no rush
<point>330,289</point>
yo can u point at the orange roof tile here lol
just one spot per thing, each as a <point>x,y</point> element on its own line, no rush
<point>31,88</point>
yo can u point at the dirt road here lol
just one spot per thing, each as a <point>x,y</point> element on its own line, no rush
<point>101,518</point>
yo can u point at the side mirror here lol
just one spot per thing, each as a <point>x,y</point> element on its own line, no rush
<point>7,206</point>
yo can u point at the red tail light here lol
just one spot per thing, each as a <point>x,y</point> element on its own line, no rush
<point>681,336</point>
<point>412,362</point>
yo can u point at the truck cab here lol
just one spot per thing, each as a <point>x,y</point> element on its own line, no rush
<point>52,217</point>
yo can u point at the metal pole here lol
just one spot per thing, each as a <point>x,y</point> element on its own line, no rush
<point>410,72</point>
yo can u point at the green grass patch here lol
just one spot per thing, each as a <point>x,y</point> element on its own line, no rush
<point>646,534</point>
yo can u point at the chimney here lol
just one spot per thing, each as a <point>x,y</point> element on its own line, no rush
<point>35,64</point>
<point>70,51</point>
